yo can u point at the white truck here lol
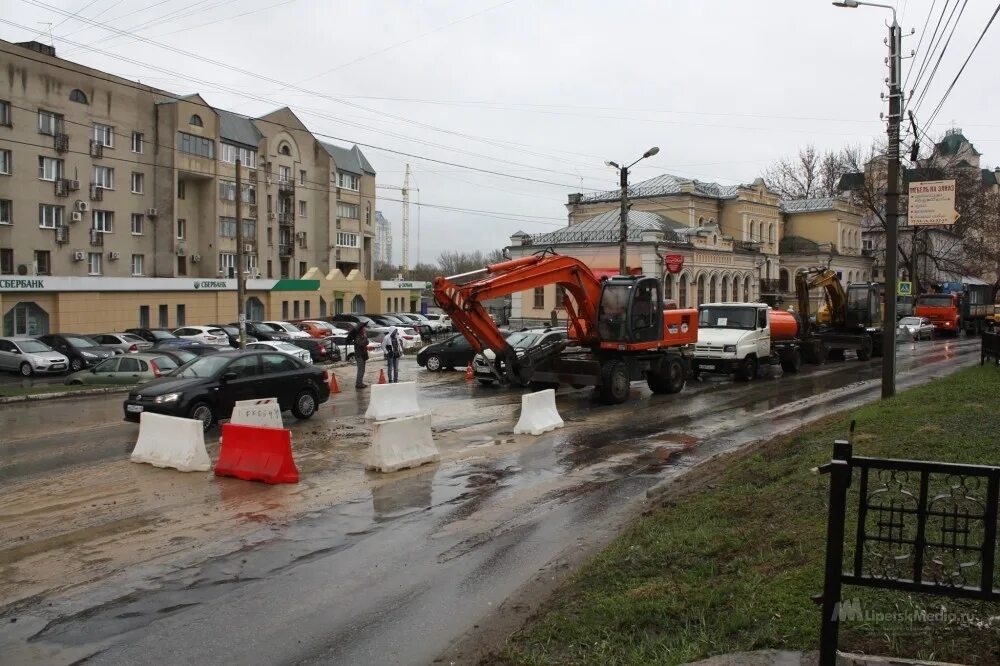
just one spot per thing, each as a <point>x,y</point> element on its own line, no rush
<point>738,338</point>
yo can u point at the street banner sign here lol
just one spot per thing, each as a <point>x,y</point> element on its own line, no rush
<point>674,262</point>
<point>932,203</point>
<point>904,289</point>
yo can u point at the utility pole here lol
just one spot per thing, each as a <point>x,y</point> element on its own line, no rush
<point>406,222</point>
<point>240,282</point>
<point>892,212</point>
<point>623,230</point>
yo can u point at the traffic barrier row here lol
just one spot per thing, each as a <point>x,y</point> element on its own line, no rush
<point>257,453</point>
<point>538,413</point>
<point>392,401</point>
<point>169,441</point>
<point>402,443</point>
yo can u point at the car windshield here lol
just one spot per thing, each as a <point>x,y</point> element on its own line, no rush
<point>231,330</point>
<point>184,356</point>
<point>128,337</point>
<point>742,318</point>
<point>934,301</point>
<point>523,339</point>
<point>32,346</point>
<point>163,335</point>
<point>80,341</point>
<point>285,326</point>
<point>203,366</point>
<point>271,327</point>
<point>216,331</point>
<point>909,321</point>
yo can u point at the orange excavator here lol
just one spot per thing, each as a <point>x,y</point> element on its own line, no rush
<point>621,323</point>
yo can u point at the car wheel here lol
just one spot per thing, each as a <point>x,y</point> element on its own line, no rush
<point>26,370</point>
<point>747,370</point>
<point>202,411</point>
<point>304,406</point>
<point>76,365</point>
<point>433,363</point>
<point>615,382</point>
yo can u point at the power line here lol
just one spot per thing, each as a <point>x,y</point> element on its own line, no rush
<point>923,33</point>
<point>935,42</point>
<point>930,79</point>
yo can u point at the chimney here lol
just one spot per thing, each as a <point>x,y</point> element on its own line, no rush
<point>38,47</point>
<point>575,198</point>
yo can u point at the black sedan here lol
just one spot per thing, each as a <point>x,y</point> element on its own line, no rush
<point>233,333</point>
<point>264,332</point>
<point>445,355</point>
<point>207,388</point>
<point>321,350</point>
<point>82,351</point>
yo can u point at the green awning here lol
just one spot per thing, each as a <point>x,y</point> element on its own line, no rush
<point>296,285</point>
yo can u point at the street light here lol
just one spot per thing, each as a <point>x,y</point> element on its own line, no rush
<point>623,229</point>
<point>891,198</point>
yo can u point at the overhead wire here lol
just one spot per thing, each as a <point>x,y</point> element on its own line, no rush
<point>923,33</point>
<point>944,49</point>
<point>936,40</point>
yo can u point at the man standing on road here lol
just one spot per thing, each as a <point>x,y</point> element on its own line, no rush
<point>393,348</point>
<point>360,340</point>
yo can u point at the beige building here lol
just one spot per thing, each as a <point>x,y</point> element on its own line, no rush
<point>107,179</point>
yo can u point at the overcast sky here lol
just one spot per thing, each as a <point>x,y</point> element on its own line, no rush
<point>539,89</point>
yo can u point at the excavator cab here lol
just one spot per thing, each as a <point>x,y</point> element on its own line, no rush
<point>864,306</point>
<point>630,310</point>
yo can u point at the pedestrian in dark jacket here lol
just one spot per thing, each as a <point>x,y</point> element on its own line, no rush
<point>360,335</point>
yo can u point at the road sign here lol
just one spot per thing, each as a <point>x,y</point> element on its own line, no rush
<point>904,289</point>
<point>932,203</point>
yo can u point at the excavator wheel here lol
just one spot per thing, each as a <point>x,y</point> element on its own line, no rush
<point>667,378</point>
<point>615,382</point>
<point>865,351</point>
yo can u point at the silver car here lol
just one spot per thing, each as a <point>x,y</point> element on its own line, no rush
<point>918,328</point>
<point>283,347</point>
<point>128,343</point>
<point>28,356</point>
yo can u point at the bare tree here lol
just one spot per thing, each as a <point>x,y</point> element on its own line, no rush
<point>809,174</point>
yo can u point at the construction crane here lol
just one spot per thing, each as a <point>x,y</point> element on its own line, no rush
<point>405,190</point>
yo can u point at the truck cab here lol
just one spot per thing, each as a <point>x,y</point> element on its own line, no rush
<point>733,338</point>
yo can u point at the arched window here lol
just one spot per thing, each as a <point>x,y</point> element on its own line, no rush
<point>783,280</point>
<point>26,318</point>
<point>682,292</point>
<point>668,287</point>
<point>843,239</point>
<point>701,289</point>
<point>255,309</point>
<point>701,221</point>
<point>725,289</point>
<point>712,286</point>
<point>753,230</point>
<point>196,121</point>
<point>746,289</point>
<point>78,96</point>
<point>770,232</point>
<point>284,149</point>
<point>358,304</point>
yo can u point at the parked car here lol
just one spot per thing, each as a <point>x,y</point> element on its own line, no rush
<point>28,356</point>
<point>520,340</point>
<point>385,320</point>
<point>350,318</point>
<point>424,328</point>
<point>129,343</point>
<point>203,334</point>
<point>233,333</point>
<point>374,346</point>
<point>179,355</point>
<point>441,322</point>
<point>321,350</point>
<point>191,347</point>
<point>411,339</point>
<point>263,332</point>
<point>319,329</point>
<point>125,369</point>
<point>291,329</point>
<point>81,350</point>
<point>154,335</point>
<point>447,354</point>
<point>285,348</point>
<point>918,328</point>
<point>207,388</point>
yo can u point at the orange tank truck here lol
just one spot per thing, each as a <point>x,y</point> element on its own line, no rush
<point>784,325</point>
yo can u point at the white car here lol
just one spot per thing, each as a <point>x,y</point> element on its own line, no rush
<point>439,322</point>
<point>284,348</point>
<point>409,337</point>
<point>208,335</point>
<point>292,330</point>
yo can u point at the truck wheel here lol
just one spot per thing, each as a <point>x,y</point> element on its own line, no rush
<point>669,378</point>
<point>865,351</point>
<point>791,361</point>
<point>615,382</point>
<point>747,370</point>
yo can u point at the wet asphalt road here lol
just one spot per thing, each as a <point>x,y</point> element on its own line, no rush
<point>350,567</point>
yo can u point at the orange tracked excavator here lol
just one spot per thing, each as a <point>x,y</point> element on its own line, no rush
<point>626,331</point>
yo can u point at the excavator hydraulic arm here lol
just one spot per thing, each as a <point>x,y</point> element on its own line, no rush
<point>833,294</point>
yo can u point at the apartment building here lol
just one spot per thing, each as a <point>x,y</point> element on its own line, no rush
<point>108,179</point>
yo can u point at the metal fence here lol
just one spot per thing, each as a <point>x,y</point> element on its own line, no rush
<point>926,527</point>
<point>990,348</point>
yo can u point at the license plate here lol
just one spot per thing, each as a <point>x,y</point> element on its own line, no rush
<point>134,409</point>
<point>707,366</point>
<point>58,366</point>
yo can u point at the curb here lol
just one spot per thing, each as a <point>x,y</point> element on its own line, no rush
<point>55,395</point>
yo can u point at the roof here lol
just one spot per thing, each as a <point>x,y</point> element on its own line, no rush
<point>351,160</point>
<point>797,244</point>
<point>606,228</point>
<point>664,185</point>
<point>952,143</point>
<point>235,128</point>
<point>807,205</point>
<point>990,177</point>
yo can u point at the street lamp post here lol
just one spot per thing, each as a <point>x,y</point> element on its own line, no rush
<point>891,199</point>
<point>623,227</point>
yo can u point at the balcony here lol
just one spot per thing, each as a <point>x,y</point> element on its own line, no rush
<point>285,250</point>
<point>96,148</point>
<point>62,235</point>
<point>772,286</point>
<point>286,186</point>
<point>96,192</point>
<point>747,246</point>
<point>62,187</point>
<point>60,142</point>
<point>286,219</point>
<point>96,238</point>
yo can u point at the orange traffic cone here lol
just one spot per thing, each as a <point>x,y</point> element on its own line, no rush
<point>468,371</point>
<point>381,376</point>
<point>334,388</point>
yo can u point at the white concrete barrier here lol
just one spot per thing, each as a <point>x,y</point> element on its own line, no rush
<point>264,412</point>
<point>401,443</point>
<point>538,413</point>
<point>169,441</point>
<point>392,401</point>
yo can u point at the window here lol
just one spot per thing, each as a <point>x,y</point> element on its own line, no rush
<point>78,96</point>
<point>104,135</point>
<point>347,210</point>
<point>181,229</point>
<point>249,229</point>
<point>303,239</point>
<point>182,266</point>
<point>143,316</point>
<point>162,314</point>
<point>136,142</point>
<point>196,145</point>
<point>270,270</point>
<point>229,153</point>
<point>560,296</point>
<point>181,314</point>
<point>138,180</point>
<point>5,160</point>
<point>867,244</point>
<point>539,300</point>
<point>5,120</point>
<point>285,173</point>
<point>43,262</point>
<point>302,271</point>
<point>302,177</point>
<point>196,121</point>
<point>6,261</point>
<point>137,224</point>
<point>50,216</point>
<point>227,191</point>
<point>181,189</point>
<point>227,227</point>
<point>250,264</point>
<point>302,208</point>
<point>284,149</point>
<point>104,221</point>
<point>49,168</point>
<point>227,264</point>
<point>137,261</point>
<point>345,239</point>
<point>295,308</point>
<point>348,181</point>
<point>6,211</point>
<point>283,268</point>
<point>94,263</point>
<point>50,123</point>
<point>104,177</point>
